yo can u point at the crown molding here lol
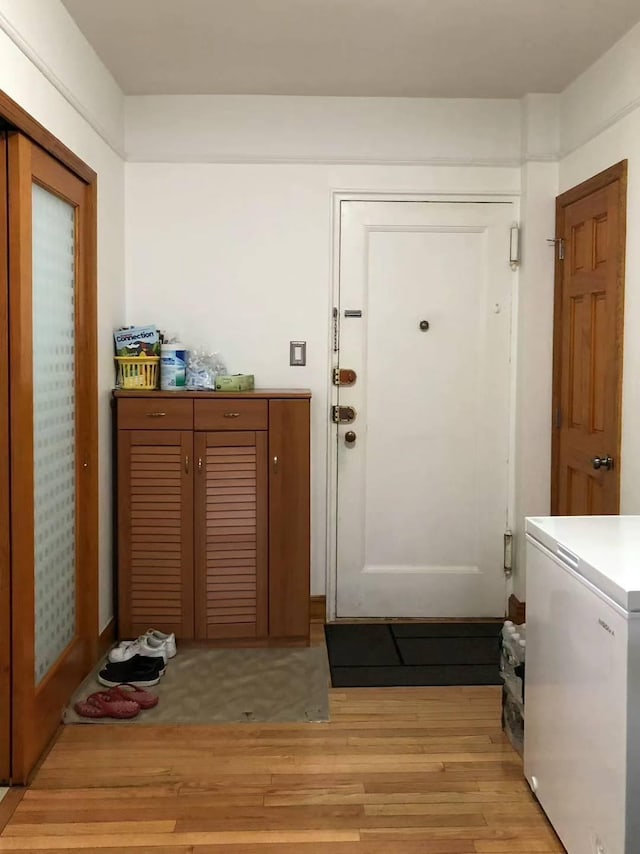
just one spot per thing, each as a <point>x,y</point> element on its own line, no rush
<point>322,160</point>
<point>45,69</point>
<point>603,126</point>
<point>552,157</point>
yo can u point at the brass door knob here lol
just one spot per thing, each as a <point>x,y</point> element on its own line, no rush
<point>350,437</point>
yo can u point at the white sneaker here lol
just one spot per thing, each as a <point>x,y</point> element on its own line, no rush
<point>168,640</point>
<point>144,645</point>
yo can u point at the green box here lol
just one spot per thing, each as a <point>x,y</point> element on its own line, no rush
<point>236,382</point>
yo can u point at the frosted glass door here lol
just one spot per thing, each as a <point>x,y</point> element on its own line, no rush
<point>53,443</point>
<point>54,434</point>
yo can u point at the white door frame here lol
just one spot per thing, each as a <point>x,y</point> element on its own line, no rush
<point>337,197</point>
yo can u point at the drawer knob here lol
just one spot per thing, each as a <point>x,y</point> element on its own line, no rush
<point>156,414</point>
<point>232,415</point>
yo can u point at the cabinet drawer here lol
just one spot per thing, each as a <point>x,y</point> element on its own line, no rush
<point>229,414</point>
<point>155,414</point>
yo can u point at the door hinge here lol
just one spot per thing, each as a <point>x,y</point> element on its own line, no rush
<point>344,376</point>
<point>559,242</point>
<point>336,340</point>
<point>343,414</point>
<point>558,418</point>
<point>508,553</point>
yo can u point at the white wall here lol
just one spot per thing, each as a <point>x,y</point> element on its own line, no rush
<point>274,129</point>
<point>533,334</point>
<point>534,359</point>
<point>237,256</point>
<point>600,125</point>
<point>48,68</point>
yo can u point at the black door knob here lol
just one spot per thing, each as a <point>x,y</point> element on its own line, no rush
<point>424,325</point>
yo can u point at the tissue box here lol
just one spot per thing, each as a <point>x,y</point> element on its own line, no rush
<point>236,382</point>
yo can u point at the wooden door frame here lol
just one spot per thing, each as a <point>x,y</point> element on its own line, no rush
<point>15,118</point>
<point>618,173</point>
<point>5,481</point>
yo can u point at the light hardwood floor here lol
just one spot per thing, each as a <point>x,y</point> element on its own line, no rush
<point>396,771</point>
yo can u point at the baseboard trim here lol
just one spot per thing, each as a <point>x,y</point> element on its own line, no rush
<point>107,638</point>
<point>517,610</point>
<point>317,609</point>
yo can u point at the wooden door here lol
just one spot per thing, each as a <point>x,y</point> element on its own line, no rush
<point>591,223</point>
<point>289,525</point>
<point>423,487</point>
<point>53,429</point>
<point>5,483</point>
<point>155,532</point>
<point>231,534</point>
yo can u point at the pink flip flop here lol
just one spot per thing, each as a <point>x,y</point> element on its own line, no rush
<point>103,705</point>
<point>128,692</point>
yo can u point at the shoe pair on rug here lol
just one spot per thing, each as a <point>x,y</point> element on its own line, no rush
<point>152,644</point>
<point>121,702</point>
<point>140,662</point>
<point>140,670</point>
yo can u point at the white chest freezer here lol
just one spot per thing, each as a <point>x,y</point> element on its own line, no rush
<point>582,700</point>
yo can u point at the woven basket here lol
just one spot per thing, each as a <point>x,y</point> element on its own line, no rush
<point>138,371</point>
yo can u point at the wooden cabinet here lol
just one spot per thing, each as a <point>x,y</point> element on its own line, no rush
<point>213,515</point>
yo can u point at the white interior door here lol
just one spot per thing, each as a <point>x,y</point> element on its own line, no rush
<point>423,490</point>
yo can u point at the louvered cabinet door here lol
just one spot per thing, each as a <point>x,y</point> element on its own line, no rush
<point>231,534</point>
<point>155,532</point>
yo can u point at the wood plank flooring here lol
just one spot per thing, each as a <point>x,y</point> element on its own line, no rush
<point>396,771</point>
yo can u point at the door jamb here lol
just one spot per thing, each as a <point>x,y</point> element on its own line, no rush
<point>337,197</point>
<point>618,172</point>
<point>5,480</point>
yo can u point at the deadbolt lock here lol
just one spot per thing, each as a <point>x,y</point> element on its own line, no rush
<point>344,376</point>
<point>343,414</point>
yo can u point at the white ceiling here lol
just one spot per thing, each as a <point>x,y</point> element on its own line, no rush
<point>414,48</point>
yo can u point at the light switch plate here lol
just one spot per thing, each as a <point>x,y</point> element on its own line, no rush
<point>297,352</point>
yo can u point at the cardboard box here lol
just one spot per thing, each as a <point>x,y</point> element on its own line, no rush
<point>236,382</point>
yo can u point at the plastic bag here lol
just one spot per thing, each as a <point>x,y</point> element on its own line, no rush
<point>202,369</point>
<point>513,719</point>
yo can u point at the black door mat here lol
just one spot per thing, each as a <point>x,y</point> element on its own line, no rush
<point>371,655</point>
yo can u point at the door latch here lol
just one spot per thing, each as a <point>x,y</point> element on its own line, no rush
<point>559,242</point>
<point>343,414</point>
<point>344,376</point>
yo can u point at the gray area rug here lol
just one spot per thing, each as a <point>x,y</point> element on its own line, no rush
<point>207,686</point>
